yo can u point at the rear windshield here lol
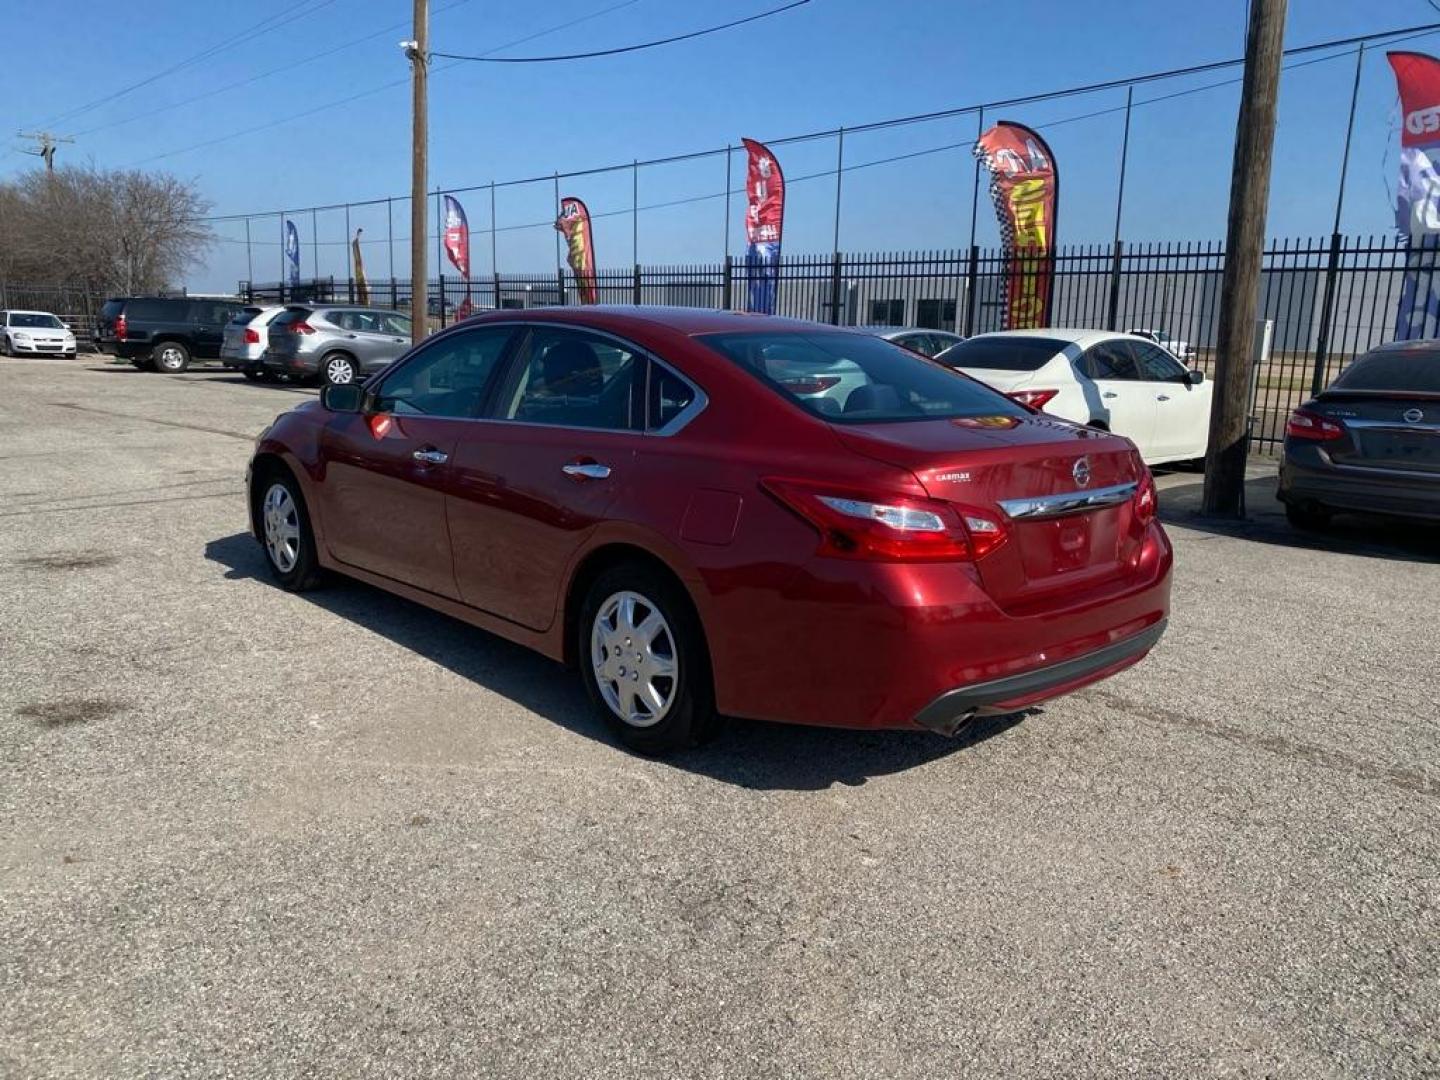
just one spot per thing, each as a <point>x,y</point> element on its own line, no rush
<point>288,316</point>
<point>1398,371</point>
<point>112,309</point>
<point>244,315</point>
<point>1003,353</point>
<point>858,379</point>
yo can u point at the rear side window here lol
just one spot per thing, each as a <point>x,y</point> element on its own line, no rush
<point>859,379</point>
<point>157,310</point>
<point>1003,353</point>
<point>571,378</point>
<point>1396,371</point>
<point>670,395</point>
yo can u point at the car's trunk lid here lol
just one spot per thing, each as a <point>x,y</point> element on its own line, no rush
<point>1064,494</point>
<point>1388,431</point>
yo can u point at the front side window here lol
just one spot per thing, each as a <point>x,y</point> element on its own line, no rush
<point>571,378</point>
<point>1156,364</point>
<point>447,378</point>
<point>859,379</point>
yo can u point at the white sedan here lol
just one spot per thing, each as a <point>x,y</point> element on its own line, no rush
<point>35,333</point>
<point>1118,382</point>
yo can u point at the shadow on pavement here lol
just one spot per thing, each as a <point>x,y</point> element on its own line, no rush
<point>749,754</point>
<point>1349,534</point>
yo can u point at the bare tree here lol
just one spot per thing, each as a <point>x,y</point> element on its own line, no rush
<point>107,231</point>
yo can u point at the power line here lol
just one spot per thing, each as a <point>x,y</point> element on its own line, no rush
<point>271,23</point>
<point>375,90</point>
<point>283,69</point>
<point>487,59</point>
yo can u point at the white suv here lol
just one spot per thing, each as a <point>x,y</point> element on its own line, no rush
<point>34,333</point>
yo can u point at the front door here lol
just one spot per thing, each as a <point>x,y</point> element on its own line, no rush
<point>534,480</point>
<point>1117,395</point>
<point>387,471</point>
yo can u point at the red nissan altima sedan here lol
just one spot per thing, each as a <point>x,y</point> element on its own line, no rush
<point>715,514</point>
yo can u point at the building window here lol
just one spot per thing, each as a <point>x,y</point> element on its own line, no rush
<point>887,312</point>
<point>935,314</point>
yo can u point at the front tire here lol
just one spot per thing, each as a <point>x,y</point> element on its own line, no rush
<point>337,369</point>
<point>171,357</point>
<point>5,348</point>
<point>285,533</point>
<point>643,658</point>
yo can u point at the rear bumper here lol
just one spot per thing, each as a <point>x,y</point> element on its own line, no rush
<point>1309,477</point>
<point>289,364</point>
<point>952,709</point>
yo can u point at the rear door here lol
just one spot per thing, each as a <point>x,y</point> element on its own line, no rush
<point>1122,399</point>
<point>208,319</point>
<point>534,480</point>
<point>386,474</point>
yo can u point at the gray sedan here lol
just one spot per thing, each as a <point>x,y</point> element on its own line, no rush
<point>1369,443</point>
<point>918,339</point>
<point>339,344</point>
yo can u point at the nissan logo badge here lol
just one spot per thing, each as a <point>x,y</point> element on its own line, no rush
<point>1081,472</point>
<point>1413,416</point>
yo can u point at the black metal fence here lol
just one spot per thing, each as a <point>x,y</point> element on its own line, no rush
<point>1328,299</point>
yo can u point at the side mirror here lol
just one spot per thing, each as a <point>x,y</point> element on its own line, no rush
<point>343,398</point>
<point>1195,377</point>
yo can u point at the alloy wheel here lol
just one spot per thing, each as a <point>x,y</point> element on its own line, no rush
<point>170,358</point>
<point>281,519</point>
<point>339,371</point>
<point>633,654</point>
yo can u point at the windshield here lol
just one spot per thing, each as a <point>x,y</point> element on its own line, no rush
<point>31,319</point>
<point>858,379</point>
<point>1003,353</point>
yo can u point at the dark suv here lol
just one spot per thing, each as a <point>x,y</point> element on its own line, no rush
<point>164,333</point>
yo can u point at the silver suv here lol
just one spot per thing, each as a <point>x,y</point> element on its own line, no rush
<point>339,343</point>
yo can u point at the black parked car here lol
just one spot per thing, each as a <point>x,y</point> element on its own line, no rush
<point>164,333</point>
<point>1370,443</point>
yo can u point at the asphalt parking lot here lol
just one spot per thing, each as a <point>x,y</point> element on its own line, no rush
<point>246,833</point>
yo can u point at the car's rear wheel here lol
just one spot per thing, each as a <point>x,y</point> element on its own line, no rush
<point>286,534</point>
<point>643,658</point>
<point>170,356</point>
<point>1311,517</point>
<point>337,369</point>
<point>5,349</point>
<point>253,374</point>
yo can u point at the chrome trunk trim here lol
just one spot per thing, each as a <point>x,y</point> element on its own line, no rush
<point>1069,502</point>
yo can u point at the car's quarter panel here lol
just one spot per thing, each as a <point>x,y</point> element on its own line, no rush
<point>384,507</point>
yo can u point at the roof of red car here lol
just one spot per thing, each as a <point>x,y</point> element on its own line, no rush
<point>682,319</point>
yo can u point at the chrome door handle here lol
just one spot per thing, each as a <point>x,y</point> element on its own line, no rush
<point>589,470</point>
<point>1162,397</point>
<point>1109,394</point>
<point>431,457</point>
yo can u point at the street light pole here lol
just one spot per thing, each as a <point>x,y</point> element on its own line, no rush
<point>418,50</point>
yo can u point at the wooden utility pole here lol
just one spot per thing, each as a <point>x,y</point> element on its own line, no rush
<point>418,51</point>
<point>1244,248</point>
<point>45,146</point>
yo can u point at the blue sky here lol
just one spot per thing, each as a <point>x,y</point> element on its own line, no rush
<point>829,63</point>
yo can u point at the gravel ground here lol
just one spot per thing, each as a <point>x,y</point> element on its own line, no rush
<point>245,833</point>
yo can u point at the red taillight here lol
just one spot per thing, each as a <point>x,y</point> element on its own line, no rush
<point>889,526</point>
<point>251,337</point>
<point>1036,399</point>
<point>815,384</point>
<point>1146,498</point>
<point>300,328</point>
<point>120,328</point>
<point>1304,424</point>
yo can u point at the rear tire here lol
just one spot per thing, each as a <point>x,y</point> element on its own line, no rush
<point>252,374</point>
<point>338,369</point>
<point>171,357</point>
<point>1309,517</point>
<point>659,697</point>
<point>285,533</point>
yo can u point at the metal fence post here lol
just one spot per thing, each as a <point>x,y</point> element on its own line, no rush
<point>1327,314</point>
<point>441,287</point>
<point>1114,315</point>
<point>636,296</point>
<point>972,279</point>
<point>835,290</point>
<point>498,304</point>
<point>727,283</point>
<point>560,274</point>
